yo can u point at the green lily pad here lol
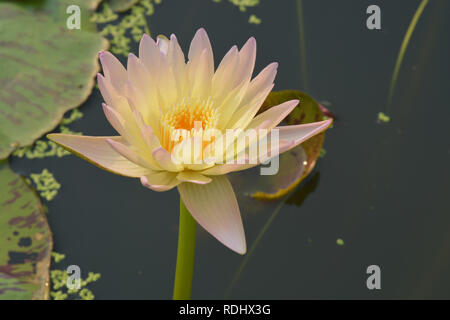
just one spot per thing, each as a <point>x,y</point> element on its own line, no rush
<point>298,163</point>
<point>250,182</point>
<point>25,238</point>
<point>46,70</point>
<point>57,10</point>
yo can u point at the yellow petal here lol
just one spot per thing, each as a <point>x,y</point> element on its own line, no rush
<point>177,61</point>
<point>224,78</point>
<point>167,85</point>
<point>245,113</point>
<point>132,155</point>
<point>193,177</point>
<point>165,161</point>
<point>228,108</point>
<point>261,82</point>
<point>274,115</point>
<point>112,98</point>
<point>141,89</point>
<point>160,180</point>
<point>200,77</point>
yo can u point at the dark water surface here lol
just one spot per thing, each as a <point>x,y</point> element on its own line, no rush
<point>382,188</point>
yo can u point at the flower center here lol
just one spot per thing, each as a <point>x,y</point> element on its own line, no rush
<point>184,118</point>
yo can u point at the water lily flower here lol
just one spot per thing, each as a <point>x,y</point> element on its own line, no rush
<point>158,93</point>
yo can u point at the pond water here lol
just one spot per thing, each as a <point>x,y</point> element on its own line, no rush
<point>383,189</point>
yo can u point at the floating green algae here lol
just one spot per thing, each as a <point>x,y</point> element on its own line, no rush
<point>46,184</point>
<point>59,277</point>
<point>104,16</point>
<point>254,19</point>
<point>243,5</point>
<point>133,23</point>
<point>383,118</point>
<point>74,115</point>
<point>57,257</point>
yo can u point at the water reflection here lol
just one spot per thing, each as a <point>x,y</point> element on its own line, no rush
<point>304,190</point>
<point>295,197</point>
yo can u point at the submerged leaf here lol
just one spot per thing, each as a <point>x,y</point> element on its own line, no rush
<point>26,240</point>
<point>298,163</point>
<point>46,69</point>
<point>252,183</point>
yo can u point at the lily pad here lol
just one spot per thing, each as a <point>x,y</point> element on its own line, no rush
<point>57,10</point>
<point>26,240</point>
<point>250,182</point>
<point>47,70</point>
<point>298,163</point>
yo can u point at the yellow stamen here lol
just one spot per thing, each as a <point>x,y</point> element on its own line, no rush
<point>188,116</point>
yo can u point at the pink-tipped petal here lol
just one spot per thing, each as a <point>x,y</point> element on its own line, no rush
<point>215,208</point>
<point>106,89</point>
<point>167,85</point>
<point>150,55</point>
<point>288,137</point>
<point>275,114</point>
<point>160,180</point>
<point>97,151</point>
<point>199,43</point>
<point>115,119</point>
<point>110,95</point>
<point>262,81</point>
<point>178,62</point>
<point>141,79</point>
<point>113,70</point>
<point>224,78</point>
<point>230,103</point>
<point>247,57</point>
<point>163,44</point>
<point>245,113</point>
<point>137,101</point>
<point>200,76</point>
<point>302,132</point>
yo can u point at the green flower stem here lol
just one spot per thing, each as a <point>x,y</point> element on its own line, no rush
<point>185,255</point>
